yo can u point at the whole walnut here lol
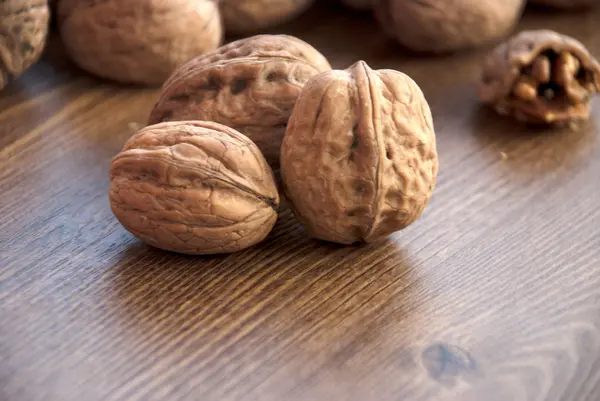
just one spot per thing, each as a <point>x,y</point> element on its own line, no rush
<point>359,158</point>
<point>250,85</point>
<point>359,4</point>
<point>25,29</point>
<point>249,16</point>
<point>565,4</point>
<point>138,41</point>
<point>439,26</point>
<point>540,77</point>
<point>193,187</point>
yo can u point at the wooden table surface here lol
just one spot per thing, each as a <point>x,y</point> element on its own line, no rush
<point>494,294</point>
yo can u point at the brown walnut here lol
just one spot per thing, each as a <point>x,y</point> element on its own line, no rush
<point>138,41</point>
<point>25,27</point>
<point>193,187</point>
<point>439,26</point>
<point>565,4</point>
<point>249,16</point>
<point>359,158</point>
<point>250,85</point>
<point>540,77</point>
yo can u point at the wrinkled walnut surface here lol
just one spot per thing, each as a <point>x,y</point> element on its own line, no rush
<point>138,41</point>
<point>447,25</point>
<point>565,4</point>
<point>254,46</point>
<point>247,16</point>
<point>194,188</point>
<point>540,76</point>
<point>24,25</point>
<point>359,158</point>
<point>359,4</point>
<point>253,94</point>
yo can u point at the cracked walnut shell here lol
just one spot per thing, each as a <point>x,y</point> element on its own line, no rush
<point>247,16</point>
<point>138,41</point>
<point>438,26</point>
<point>25,28</point>
<point>359,158</point>
<point>194,188</point>
<point>540,77</point>
<point>250,85</point>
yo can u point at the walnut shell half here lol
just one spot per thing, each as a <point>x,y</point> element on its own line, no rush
<point>438,26</point>
<point>359,158</point>
<point>540,77</point>
<point>254,93</point>
<point>193,187</point>
<point>24,25</point>
<point>247,16</point>
<point>138,41</point>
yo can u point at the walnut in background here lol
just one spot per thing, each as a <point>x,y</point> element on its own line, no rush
<point>249,16</point>
<point>138,41</point>
<point>438,26</point>
<point>25,28</point>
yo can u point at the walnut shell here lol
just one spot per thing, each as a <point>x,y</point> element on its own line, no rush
<point>249,16</point>
<point>25,29</point>
<point>359,158</point>
<point>193,187</point>
<point>439,26</point>
<point>250,85</point>
<point>138,41</point>
<point>359,4</point>
<point>565,4</point>
<point>540,77</point>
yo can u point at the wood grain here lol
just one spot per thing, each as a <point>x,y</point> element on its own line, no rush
<point>494,294</point>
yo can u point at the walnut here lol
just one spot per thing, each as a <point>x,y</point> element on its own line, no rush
<point>193,187</point>
<point>248,16</point>
<point>540,77</point>
<point>359,4</point>
<point>359,158</point>
<point>250,85</point>
<point>439,26</point>
<point>138,41</point>
<point>25,28</point>
<point>565,4</point>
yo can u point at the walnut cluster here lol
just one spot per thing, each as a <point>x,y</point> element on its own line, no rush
<point>358,159</point>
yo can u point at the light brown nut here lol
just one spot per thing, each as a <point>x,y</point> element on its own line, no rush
<point>439,26</point>
<point>359,4</point>
<point>359,158</point>
<point>138,41</point>
<point>565,4</point>
<point>253,94</point>
<point>258,45</point>
<point>249,16</point>
<point>24,25</point>
<point>193,187</point>
<point>575,78</point>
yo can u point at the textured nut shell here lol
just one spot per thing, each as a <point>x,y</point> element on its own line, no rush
<point>503,65</point>
<point>359,4</point>
<point>359,157</point>
<point>138,41</point>
<point>253,46</point>
<point>194,188</point>
<point>246,16</point>
<point>565,4</point>
<point>25,27</point>
<point>447,25</point>
<point>254,95</point>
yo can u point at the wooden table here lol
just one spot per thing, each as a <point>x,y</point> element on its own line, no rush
<point>494,294</point>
